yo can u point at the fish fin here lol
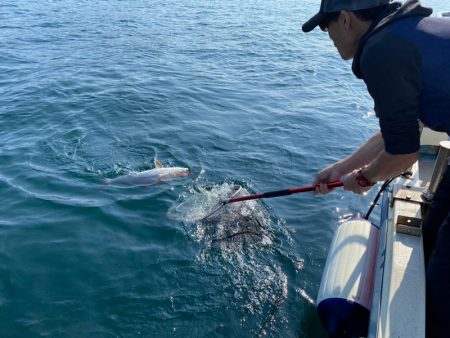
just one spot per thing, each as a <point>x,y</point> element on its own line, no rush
<point>158,164</point>
<point>163,175</point>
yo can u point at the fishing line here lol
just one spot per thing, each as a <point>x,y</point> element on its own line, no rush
<point>406,174</point>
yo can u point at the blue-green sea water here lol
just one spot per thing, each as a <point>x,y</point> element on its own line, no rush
<point>232,90</point>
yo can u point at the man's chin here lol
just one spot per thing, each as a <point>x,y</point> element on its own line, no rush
<point>345,57</point>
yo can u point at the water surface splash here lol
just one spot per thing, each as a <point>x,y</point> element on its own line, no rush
<point>207,219</point>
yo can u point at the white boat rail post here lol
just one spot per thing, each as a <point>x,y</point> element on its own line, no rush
<point>440,167</point>
<point>378,280</point>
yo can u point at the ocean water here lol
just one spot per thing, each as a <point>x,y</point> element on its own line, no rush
<point>232,90</point>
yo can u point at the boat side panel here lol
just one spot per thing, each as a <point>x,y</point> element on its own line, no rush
<point>403,296</point>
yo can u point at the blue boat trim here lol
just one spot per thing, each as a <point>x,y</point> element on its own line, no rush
<point>343,318</point>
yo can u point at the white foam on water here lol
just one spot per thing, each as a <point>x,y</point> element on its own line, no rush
<point>199,202</point>
<point>230,225</point>
<point>305,296</point>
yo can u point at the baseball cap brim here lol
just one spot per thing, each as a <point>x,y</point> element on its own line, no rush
<point>329,8</point>
<point>312,23</point>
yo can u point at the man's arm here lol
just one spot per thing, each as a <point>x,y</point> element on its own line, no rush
<point>395,88</point>
<point>362,156</point>
<point>385,166</point>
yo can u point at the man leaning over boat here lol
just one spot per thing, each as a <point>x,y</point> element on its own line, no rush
<point>402,54</point>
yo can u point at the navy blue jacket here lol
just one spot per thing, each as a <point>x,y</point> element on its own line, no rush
<point>404,59</point>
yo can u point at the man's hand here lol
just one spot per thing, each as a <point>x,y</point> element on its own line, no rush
<point>329,174</point>
<point>351,184</point>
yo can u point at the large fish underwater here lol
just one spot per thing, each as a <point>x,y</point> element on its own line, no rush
<point>149,177</point>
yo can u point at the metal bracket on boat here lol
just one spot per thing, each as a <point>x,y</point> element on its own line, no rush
<point>409,194</point>
<point>409,225</point>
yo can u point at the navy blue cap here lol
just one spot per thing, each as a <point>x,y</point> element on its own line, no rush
<point>332,6</point>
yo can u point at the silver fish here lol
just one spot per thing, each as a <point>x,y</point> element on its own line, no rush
<point>150,177</point>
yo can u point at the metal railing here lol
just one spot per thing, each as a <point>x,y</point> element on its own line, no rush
<point>442,162</point>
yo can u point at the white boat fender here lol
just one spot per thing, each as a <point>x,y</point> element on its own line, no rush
<point>345,293</point>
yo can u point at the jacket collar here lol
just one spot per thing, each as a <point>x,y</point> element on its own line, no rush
<point>395,11</point>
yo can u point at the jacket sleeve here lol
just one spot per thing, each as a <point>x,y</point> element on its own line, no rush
<point>390,67</point>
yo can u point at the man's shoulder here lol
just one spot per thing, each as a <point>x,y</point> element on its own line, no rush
<point>388,50</point>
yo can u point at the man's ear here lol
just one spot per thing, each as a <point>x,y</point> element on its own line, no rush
<point>346,17</point>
